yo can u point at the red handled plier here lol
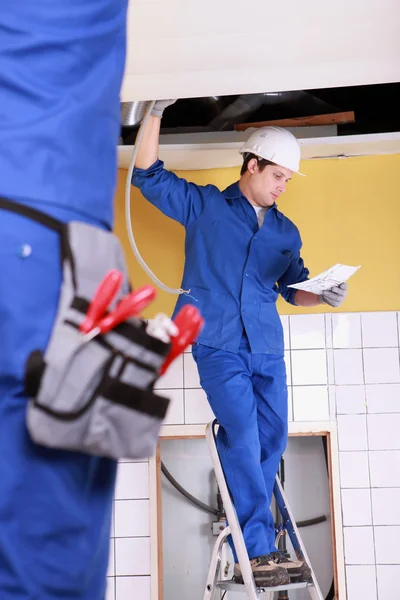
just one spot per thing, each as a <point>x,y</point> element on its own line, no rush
<point>129,306</point>
<point>188,321</point>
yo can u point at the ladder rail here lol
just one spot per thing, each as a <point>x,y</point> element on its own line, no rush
<point>233,521</point>
<point>294,535</point>
<point>249,585</point>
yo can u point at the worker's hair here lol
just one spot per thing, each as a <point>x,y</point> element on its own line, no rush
<point>262,163</point>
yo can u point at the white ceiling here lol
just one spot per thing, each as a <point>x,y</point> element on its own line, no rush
<point>187,48</point>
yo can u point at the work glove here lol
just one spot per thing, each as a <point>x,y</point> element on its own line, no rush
<point>335,296</point>
<point>160,106</point>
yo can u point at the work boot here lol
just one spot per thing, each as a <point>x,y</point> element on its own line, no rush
<point>298,570</point>
<point>266,572</point>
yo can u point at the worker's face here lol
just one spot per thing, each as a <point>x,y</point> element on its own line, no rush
<point>267,185</point>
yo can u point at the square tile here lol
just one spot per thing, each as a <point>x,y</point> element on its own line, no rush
<point>384,467</point>
<point>309,367</point>
<point>379,330</point>
<point>310,403</point>
<point>190,373</point>
<point>286,335</point>
<point>383,397</point>
<point>197,409</point>
<point>132,518</point>
<point>332,402</point>
<point>288,364</point>
<point>356,507</point>
<point>110,589</point>
<point>350,399</point>
<point>175,413</point>
<point>132,481</point>
<point>133,588</point>
<point>346,329</point>
<point>290,404</point>
<point>111,560</point>
<point>348,367</point>
<point>328,330</point>
<point>173,378</point>
<point>354,471</point>
<point>307,331</point>
<point>383,432</point>
<point>388,577</point>
<point>361,582</point>
<point>387,548</point>
<point>112,532</point>
<point>359,546</point>
<point>352,432</point>
<point>381,365</point>
<point>386,506</point>
<point>132,556</point>
<point>330,365</point>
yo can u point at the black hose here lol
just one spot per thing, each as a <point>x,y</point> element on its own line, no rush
<point>185,493</point>
<point>310,522</point>
<point>216,512</point>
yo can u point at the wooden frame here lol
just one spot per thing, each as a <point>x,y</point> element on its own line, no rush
<point>175,432</point>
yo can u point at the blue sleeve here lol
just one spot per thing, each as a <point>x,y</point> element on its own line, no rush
<point>176,198</point>
<point>295,273</point>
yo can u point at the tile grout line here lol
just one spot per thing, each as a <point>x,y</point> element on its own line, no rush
<point>368,463</point>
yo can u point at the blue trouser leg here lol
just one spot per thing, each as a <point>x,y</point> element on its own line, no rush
<point>248,396</point>
<point>55,507</point>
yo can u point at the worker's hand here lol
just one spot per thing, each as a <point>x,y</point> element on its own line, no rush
<point>160,106</point>
<point>335,296</point>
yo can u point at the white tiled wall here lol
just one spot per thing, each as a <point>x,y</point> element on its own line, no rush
<point>343,367</point>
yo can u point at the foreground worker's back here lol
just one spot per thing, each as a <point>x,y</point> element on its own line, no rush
<point>61,66</point>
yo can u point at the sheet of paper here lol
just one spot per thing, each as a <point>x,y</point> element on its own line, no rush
<point>325,281</point>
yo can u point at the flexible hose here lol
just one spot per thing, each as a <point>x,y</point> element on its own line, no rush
<point>131,237</point>
<point>185,493</point>
<point>214,511</point>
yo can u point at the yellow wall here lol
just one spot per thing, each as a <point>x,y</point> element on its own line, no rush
<point>347,210</point>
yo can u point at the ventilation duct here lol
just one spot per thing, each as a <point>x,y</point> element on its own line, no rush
<point>132,113</point>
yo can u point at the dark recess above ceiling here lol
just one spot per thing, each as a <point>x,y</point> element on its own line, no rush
<point>376,110</point>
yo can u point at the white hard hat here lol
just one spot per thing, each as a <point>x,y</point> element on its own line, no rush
<point>276,145</point>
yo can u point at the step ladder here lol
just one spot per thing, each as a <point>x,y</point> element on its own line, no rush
<point>215,582</point>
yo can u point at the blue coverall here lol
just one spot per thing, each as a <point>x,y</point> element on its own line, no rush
<point>234,271</point>
<point>61,68</point>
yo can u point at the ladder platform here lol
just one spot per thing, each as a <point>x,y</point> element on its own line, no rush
<point>232,586</point>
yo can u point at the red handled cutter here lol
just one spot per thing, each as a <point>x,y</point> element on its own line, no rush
<point>189,323</point>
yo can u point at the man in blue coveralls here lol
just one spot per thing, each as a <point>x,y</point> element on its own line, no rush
<point>241,252</point>
<point>61,68</point>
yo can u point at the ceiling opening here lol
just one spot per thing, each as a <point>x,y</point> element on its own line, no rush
<point>355,110</point>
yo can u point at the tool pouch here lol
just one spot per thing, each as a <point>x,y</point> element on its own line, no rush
<point>95,396</point>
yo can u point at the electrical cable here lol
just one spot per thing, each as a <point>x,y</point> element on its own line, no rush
<point>214,511</point>
<point>128,218</point>
<point>187,494</point>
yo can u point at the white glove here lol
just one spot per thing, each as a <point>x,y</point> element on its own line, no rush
<point>162,328</point>
<point>160,106</point>
<point>335,296</point>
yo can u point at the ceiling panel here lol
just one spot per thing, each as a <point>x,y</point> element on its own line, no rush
<point>184,49</point>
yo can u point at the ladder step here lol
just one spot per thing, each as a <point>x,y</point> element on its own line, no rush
<point>232,586</point>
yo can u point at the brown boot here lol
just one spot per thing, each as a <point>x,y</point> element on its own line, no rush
<point>298,570</point>
<point>266,572</point>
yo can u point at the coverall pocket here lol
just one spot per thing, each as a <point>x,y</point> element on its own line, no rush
<point>212,306</point>
<point>271,326</point>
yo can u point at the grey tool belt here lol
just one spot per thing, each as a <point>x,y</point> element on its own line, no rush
<point>94,397</point>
